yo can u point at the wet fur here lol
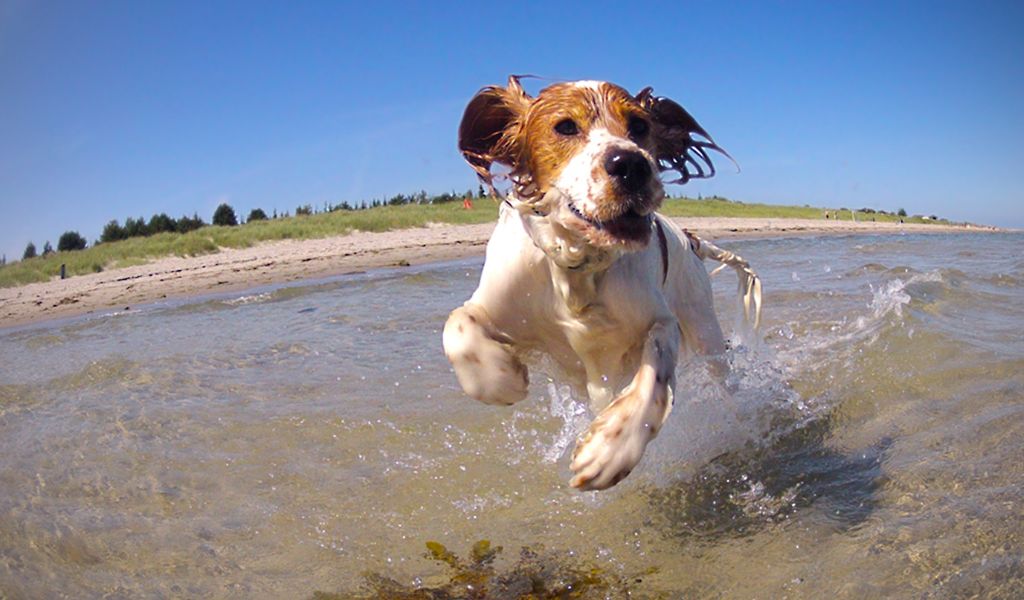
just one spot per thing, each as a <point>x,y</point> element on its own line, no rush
<point>561,276</point>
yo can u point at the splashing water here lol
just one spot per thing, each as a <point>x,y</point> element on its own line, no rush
<point>574,416</point>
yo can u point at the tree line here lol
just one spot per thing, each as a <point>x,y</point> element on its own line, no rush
<point>225,216</point>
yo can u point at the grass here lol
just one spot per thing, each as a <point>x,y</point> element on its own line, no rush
<point>720,207</point>
<point>211,239</point>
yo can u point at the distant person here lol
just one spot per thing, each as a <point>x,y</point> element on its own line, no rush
<point>467,203</point>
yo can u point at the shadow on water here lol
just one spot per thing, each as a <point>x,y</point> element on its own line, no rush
<point>742,492</point>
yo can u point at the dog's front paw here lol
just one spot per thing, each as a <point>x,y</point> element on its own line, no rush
<point>613,445</point>
<point>484,361</point>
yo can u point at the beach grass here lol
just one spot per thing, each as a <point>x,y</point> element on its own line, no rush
<point>211,239</point>
<point>721,207</point>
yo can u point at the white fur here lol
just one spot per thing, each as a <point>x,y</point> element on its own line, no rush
<point>588,84</point>
<point>616,329</point>
<point>580,180</point>
<point>577,179</point>
<point>614,320</point>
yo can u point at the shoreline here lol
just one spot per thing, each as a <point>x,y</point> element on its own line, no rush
<point>281,262</point>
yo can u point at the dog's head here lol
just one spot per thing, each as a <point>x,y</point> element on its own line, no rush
<point>588,154</point>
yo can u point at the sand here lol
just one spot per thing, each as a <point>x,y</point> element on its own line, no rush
<point>285,261</point>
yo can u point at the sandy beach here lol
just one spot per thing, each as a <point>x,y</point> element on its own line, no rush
<point>292,260</point>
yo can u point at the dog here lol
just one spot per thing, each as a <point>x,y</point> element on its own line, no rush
<point>581,267</point>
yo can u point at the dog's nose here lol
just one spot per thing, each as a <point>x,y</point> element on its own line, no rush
<point>629,168</point>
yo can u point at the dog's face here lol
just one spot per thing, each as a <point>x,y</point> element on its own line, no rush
<point>588,153</point>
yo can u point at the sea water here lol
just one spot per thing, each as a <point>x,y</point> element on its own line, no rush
<point>284,441</point>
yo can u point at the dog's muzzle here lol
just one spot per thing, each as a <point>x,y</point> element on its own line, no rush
<point>629,169</point>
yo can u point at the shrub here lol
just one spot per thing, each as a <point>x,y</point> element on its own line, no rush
<point>225,215</point>
<point>30,251</point>
<point>257,214</point>
<point>70,241</point>
<point>901,212</point>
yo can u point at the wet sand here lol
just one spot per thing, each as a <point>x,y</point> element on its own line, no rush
<point>292,260</point>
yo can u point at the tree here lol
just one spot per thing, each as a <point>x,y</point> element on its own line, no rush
<point>30,251</point>
<point>901,212</point>
<point>225,215</point>
<point>47,248</point>
<point>112,232</point>
<point>161,223</point>
<point>303,211</point>
<point>70,241</point>
<point>135,227</point>
<point>257,214</point>
<point>187,224</point>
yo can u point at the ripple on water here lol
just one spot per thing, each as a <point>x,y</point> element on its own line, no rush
<point>867,447</point>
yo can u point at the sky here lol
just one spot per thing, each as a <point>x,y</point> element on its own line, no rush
<point>114,109</point>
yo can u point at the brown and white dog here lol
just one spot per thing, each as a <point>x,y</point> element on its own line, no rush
<point>571,269</point>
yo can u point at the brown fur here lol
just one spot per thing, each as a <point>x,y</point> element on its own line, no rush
<point>505,125</point>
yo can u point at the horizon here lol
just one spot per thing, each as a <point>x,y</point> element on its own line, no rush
<point>123,110</point>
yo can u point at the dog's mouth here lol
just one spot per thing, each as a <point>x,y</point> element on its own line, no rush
<point>628,226</point>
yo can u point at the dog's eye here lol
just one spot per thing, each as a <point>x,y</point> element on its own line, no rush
<point>638,127</point>
<point>567,127</point>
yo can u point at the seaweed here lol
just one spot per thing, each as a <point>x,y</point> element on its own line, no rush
<point>536,574</point>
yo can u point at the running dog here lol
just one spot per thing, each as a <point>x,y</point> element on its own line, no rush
<point>581,267</point>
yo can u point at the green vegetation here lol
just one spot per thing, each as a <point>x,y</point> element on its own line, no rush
<point>209,239</point>
<point>722,207</point>
<point>160,223</point>
<point>225,216</point>
<point>70,241</point>
<point>138,242</point>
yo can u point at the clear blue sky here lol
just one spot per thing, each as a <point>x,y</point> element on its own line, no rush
<point>116,109</point>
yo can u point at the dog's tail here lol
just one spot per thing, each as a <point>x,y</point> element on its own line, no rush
<point>749,282</point>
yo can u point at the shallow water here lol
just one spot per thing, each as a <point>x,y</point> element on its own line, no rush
<point>283,441</point>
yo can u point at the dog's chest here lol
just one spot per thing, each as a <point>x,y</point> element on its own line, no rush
<point>591,310</point>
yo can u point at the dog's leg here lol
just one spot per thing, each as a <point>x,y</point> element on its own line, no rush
<point>482,357</point>
<point>617,438</point>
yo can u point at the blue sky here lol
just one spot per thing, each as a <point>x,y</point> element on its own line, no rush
<point>117,109</point>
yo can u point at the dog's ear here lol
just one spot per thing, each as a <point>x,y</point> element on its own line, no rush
<point>674,131</point>
<point>489,129</point>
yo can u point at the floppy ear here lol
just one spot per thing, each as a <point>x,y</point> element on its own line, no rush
<point>489,129</point>
<point>673,130</point>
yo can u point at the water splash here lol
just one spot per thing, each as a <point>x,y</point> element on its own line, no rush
<point>248,299</point>
<point>808,343</point>
<point>574,416</point>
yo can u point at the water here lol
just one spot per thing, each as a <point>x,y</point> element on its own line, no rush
<point>284,441</point>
